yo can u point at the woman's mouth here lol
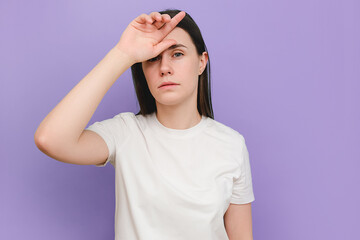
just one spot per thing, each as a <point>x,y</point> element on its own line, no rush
<point>169,85</point>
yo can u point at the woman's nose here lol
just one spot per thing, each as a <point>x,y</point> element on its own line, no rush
<point>165,66</point>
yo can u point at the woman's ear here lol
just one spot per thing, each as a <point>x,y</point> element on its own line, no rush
<point>203,61</point>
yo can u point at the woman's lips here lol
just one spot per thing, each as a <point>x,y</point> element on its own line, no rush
<point>169,85</point>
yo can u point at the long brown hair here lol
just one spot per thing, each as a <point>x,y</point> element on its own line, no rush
<point>147,101</point>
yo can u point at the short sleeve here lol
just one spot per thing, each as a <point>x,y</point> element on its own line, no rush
<point>242,188</point>
<point>114,132</point>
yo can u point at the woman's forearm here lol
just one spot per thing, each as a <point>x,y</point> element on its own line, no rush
<point>65,123</point>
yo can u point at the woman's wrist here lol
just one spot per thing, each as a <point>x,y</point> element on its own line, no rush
<point>125,58</point>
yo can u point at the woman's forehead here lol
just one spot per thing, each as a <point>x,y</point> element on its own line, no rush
<point>180,35</point>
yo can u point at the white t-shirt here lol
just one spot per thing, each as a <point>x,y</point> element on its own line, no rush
<point>174,183</point>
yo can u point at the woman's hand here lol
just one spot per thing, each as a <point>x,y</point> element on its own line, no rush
<point>142,39</point>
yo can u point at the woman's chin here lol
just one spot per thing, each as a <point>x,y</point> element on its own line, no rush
<point>169,100</point>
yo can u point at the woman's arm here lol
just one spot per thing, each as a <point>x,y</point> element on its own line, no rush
<point>59,133</point>
<point>238,222</point>
<point>65,123</point>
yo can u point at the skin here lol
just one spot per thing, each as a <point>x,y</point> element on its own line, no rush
<point>238,222</point>
<point>176,106</point>
<point>144,37</point>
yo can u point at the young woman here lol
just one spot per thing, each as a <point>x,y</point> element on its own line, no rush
<point>179,173</point>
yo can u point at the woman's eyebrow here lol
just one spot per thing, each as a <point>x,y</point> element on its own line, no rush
<point>176,46</point>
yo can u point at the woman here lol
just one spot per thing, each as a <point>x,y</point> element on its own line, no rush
<point>179,173</point>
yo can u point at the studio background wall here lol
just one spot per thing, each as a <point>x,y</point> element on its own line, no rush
<point>285,74</point>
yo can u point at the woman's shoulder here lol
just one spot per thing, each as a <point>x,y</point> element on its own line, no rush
<point>125,115</point>
<point>123,119</point>
<point>138,121</point>
<point>224,131</point>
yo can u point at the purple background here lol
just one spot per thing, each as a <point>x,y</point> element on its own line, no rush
<point>285,74</point>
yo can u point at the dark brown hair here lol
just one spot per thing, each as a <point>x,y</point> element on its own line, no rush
<point>144,96</point>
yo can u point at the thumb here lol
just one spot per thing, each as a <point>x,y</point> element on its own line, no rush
<point>163,45</point>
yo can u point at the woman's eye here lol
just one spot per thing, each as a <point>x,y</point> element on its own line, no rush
<point>153,59</point>
<point>178,53</point>
<point>156,58</point>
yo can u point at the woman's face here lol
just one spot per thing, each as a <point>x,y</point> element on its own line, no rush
<point>181,65</point>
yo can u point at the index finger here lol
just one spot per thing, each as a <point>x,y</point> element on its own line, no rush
<point>168,27</point>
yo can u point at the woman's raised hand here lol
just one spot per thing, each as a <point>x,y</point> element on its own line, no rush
<point>143,37</point>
